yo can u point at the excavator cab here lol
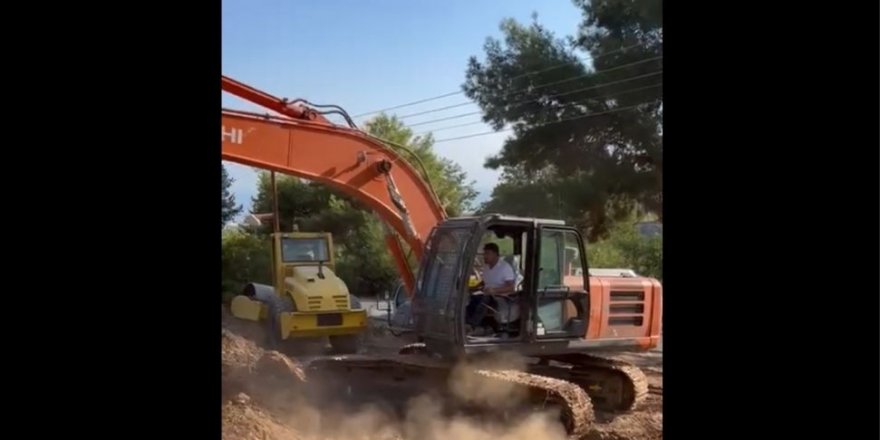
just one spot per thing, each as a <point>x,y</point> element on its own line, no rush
<point>548,311</point>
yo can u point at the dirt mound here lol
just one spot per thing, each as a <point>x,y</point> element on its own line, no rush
<point>276,366</point>
<point>244,421</point>
<point>635,426</point>
<point>267,396</point>
<point>249,330</point>
<point>267,377</point>
<point>237,351</point>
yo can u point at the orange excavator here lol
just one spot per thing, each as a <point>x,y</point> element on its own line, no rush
<point>560,318</point>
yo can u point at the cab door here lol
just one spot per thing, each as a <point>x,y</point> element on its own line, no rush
<point>439,285</point>
<point>559,288</point>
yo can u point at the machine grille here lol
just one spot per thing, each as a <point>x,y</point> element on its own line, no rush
<point>627,309</point>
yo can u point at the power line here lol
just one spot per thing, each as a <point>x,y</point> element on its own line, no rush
<point>575,102</point>
<point>462,115</point>
<point>543,124</point>
<point>459,92</point>
<point>583,89</point>
<point>408,104</point>
<point>622,66</point>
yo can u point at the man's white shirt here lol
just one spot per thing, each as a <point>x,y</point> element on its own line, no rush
<point>497,276</point>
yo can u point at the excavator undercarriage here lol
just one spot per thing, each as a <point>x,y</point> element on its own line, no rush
<point>573,385</point>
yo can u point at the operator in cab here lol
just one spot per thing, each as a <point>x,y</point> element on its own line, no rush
<point>499,279</point>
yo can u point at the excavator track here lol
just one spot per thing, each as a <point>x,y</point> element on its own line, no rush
<point>577,410</point>
<point>432,376</point>
<point>613,386</point>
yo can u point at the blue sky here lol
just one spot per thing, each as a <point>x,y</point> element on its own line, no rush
<point>368,55</point>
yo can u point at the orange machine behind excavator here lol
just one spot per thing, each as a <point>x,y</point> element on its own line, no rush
<point>563,316</point>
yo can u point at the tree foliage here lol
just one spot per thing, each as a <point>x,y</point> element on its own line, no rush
<point>626,248</point>
<point>229,209</point>
<point>546,193</point>
<point>586,141</point>
<point>244,258</point>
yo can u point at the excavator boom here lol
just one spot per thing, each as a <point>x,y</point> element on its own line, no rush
<point>359,166</point>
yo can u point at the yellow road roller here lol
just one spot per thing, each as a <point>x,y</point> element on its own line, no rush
<point>307,299</point>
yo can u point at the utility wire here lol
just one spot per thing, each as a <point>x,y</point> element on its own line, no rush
<point>544,124</point>
<point>575,102</point>
<point>583,89</point>
<point>622,66</point>
<point>459,92</point>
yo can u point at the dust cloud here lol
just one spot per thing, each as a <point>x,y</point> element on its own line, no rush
<point>466,384</point>
<point>267,396</point>
<point>424,420</point>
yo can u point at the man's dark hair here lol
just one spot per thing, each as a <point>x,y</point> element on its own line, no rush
<point>491,247</point>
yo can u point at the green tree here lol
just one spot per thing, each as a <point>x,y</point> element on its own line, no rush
<point>626,248</point>
<point>244,258</point>
<point>298,200</point>
<point>575,198</point>
<point>588,137</point>
<point>229,209</point>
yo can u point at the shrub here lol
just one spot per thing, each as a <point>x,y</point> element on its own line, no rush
<point>245,258</point>
<point>626,248</point>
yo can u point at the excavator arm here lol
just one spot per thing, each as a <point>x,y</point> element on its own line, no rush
<point>303,143</point>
